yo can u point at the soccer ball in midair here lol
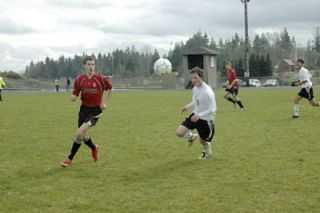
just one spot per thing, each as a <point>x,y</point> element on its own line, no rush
<point>162,66</point>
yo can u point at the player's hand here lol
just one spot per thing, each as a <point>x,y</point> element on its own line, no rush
<point>73,98</point>
<point>103,106</point>
<point>293,83</point>
<point>184,110</point>
<point>195,118</point>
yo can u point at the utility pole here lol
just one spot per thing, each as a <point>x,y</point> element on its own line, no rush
<point>247,72</point>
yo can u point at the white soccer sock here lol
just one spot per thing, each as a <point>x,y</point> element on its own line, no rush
<point>188,135</point>
<point>207,149</point>
<point>296,109</point>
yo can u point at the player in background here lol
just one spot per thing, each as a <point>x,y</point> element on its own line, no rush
<point>306,88</point>
<point>202,118</point>
<point>91,86</point>
<point>233,86</point>
<point>2,85</point>
<point>68,84</point>
<point>57,84</point>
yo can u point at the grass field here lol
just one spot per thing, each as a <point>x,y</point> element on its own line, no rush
<point>263,160</point>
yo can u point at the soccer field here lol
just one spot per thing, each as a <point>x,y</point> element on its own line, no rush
<point>263,160</point>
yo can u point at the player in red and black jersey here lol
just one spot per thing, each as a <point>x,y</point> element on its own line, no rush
<point>233,87</point>
<point>91,87</point>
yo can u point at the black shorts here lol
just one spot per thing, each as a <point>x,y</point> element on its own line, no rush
<point>234,91</point>
<point>89,115</point>
<point>306,93</point>
<point>204,128</point>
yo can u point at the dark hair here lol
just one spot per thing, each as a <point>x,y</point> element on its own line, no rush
<point>87,58</point>
<point>300,60</point>
<point>198,71</point>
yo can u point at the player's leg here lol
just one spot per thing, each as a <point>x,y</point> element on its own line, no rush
<point>94,147</point>
<point>296,106</point>
<point>80,133</point>
<point>206,132</point>
<point>186,133</point>
<point>315,103</point>
<point>311,98</point>
<point>227,97</point>
<point>237,99</point>
<point>207,150</point>
<point>184,130</point>
<point>91,121</point>
<point>0,95</point>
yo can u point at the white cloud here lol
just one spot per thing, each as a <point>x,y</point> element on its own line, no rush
<point>34,29</point>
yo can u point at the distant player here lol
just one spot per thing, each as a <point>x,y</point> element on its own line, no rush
<point>306,88</point>
<point>202,118</point>
<point>233,86</point>
<point>57,84</point>
<point>68,84</point>
<point>91,86</point>
<point>2,85</point>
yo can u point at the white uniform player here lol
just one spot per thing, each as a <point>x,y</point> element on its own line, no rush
<point>306,89</point>
<point>202,118</point>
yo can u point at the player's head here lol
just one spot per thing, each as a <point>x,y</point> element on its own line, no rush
<point>228,65</point>
<point>196,76</point>
<point>88,64</point>
<point>300,62</point>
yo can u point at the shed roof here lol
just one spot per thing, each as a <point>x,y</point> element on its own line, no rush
<point>200,51</point>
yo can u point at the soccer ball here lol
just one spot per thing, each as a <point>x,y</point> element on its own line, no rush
<point>162,66</point>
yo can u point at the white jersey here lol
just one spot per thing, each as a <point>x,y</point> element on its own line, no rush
<point>304,75</point>
<point>204,102</point>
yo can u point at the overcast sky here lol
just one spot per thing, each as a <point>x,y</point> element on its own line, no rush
<point>34,29</point>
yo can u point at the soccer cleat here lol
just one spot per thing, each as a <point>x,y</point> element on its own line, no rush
<point>204,156</point>
<point>95,153</point>
<point>242,109</point>
<point>295,116</point>
<point>66,162</point>
<point>192,139</point>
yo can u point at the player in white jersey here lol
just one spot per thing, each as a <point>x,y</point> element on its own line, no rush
<point>202,118</point>
<point>306,89</point>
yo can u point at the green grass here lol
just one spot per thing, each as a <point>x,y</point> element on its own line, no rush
<point>263,160</point>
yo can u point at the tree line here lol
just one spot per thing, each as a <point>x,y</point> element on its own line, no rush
<point>267,50</point>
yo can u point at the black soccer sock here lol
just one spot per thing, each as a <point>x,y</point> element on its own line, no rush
<point>89,143</point>
<point>240,104</point>
<point>76,145</point>
<point>231,100</point>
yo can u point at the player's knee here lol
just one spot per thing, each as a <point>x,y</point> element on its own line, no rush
<point>179,133</point>
<point>80,135</point>
<point>313,103</point>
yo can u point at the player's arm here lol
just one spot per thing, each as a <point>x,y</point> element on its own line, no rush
<point>106,100</point>
<point>233,82</point>
<point>189,106</point>
<point>76,90</point>
<point>108,88</point>
<point>298,82</point>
